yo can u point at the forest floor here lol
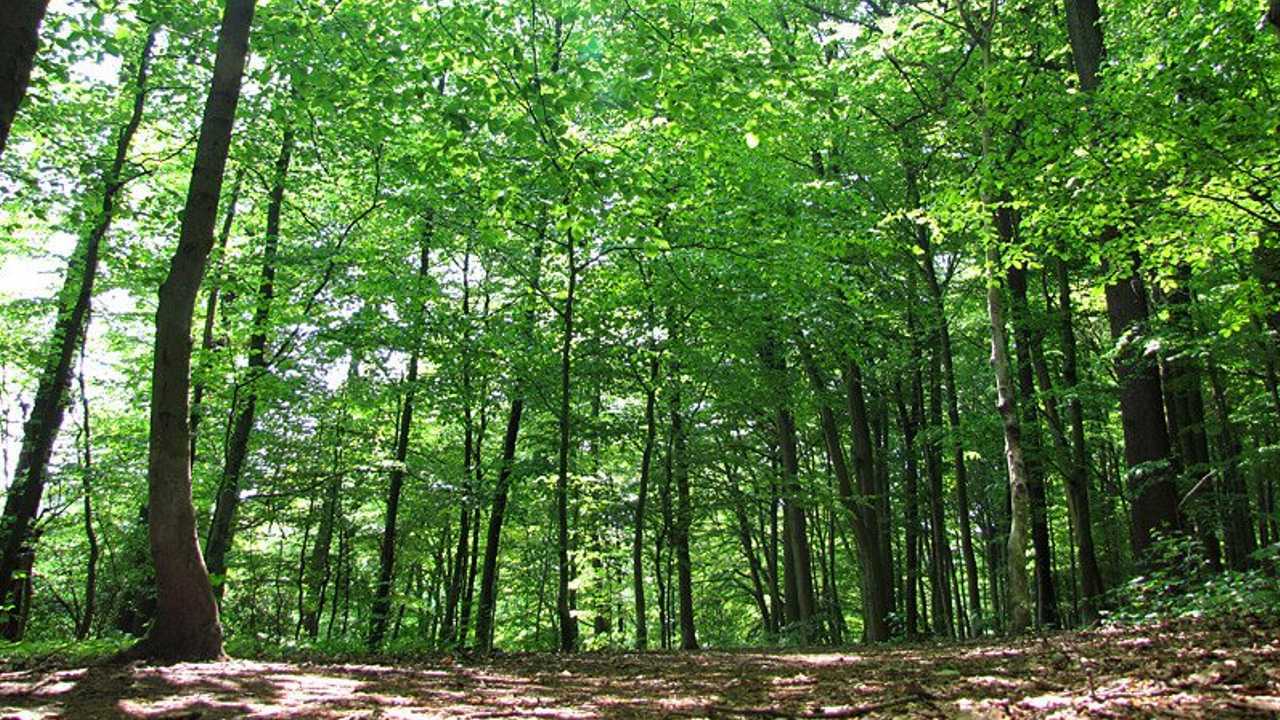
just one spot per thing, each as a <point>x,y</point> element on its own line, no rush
<point>1185,669</point>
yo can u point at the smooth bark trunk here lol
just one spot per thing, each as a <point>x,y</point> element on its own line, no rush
<point>186,625</point>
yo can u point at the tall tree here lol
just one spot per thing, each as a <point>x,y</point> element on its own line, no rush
<point>186,624</point>
<point>22,501</point>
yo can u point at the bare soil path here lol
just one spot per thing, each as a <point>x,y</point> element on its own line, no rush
<point>1172,670</point>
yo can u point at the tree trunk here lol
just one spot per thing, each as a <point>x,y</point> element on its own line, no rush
<point>207,341</point>
<point>567,622</point>
<point>953,404</point>
<point>1033,444</point>
<point>684,516</point>
<point>1019,594</point>
<point>84,626</point>
<point>797,567</point>
<point>940,549</point>
<point>859,504</point>
<point>1073,452</point>
<point>642,493</point>
<point>40,431</point>
<point>1146,438</point>
<point>186,625</point>
<point>1240,541</point>
<point>908,421</point>
<point>19,39</point>
<point>222,526</point>
<point>381,608</point>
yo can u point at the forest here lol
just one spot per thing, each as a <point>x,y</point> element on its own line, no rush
<point>639,358</point>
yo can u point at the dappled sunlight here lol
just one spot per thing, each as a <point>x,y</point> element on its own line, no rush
<point>1231,671</point>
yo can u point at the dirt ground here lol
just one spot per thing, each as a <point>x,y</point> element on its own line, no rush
<point>1175,670</point>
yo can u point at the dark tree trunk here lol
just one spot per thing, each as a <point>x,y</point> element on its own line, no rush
<point>186,625</point>
<point>1073,451</point>
<point>568,624</point>
<point>1032,442</point>
<point>873,502</point>
<point>489,571</point>
<point>84,625</point>
<point>1146,438</point>
<point>381,608</point>
<point>859,504</point>
<point>940,548</point>
<point>936,295</point>
<point>1240,541</point>
<point>797,566</point>
<point>1147,450</point>
<point>222,527</point>
<point>684,516</point>
<point>642,495</point>
<point>908,421</point>
<point>19,39</point>
<point>39,433</point>
<point>207,341</point>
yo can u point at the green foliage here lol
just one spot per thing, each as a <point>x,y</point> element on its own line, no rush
<point>1182,586</point>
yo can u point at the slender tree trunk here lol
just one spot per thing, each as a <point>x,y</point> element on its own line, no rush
<point>186,625</point>
<point>908,422</point>
<point>19,39</point>
<point>859,504</point>
<point>381,609</point>
<point>1019,594</point>
<point>85,624</point>
<point>40,431</point>
<point>642,493</point>
<point>222,526</point>
<point>943,619</point>
<point>1032,445</point>
<point>489,572</point>
<point>936,295</point>
<point>207,341</point>
<point>1240,541</point>
<point>567,622</point>
<point>797,565</point>
<point>1073,452</point>
<point>684,516</point>
<point>755,573</point>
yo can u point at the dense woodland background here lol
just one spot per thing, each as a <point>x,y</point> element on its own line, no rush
<point>655,323</point>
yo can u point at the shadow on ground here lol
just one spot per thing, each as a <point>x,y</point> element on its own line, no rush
<point>1179,670</point>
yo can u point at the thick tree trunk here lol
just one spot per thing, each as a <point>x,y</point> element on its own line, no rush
<point>186,625</point>
<point>1146,439</point>
<point>19,39</point>
<point>222,526</point>
<point>381,608</point>
<point>40,431</point>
